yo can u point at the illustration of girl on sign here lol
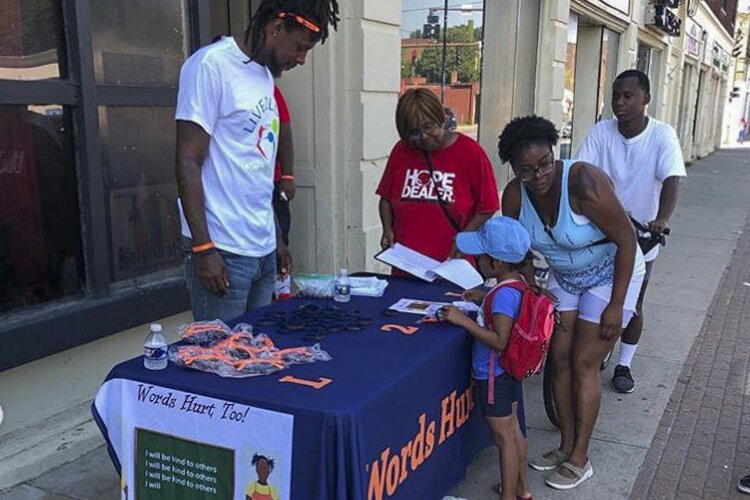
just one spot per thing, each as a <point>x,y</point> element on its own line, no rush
<point>260,489</point>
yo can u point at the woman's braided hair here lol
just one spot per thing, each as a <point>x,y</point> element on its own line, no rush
<point>321,12</point>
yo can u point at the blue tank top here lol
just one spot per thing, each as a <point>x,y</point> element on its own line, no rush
<point>569,247</point>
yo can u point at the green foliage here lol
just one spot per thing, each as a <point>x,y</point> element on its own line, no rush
<point>464,59</point>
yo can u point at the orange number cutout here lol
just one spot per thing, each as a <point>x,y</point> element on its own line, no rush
<point>406,330</point>
<point>322,381</point>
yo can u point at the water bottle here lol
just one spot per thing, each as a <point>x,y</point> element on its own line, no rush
<point>155,349</point>
<point>341,288</point>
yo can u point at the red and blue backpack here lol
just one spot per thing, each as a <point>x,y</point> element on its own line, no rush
<point>530,337</point>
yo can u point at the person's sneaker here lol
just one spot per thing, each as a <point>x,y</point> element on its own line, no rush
<point>744,484</point>
<point>549,461</point>
<point>622,380</point>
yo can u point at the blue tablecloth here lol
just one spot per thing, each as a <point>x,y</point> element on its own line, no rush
<point>392,395</point>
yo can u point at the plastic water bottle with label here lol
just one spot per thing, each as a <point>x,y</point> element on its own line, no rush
<point>155,349</point>
<point>341,287</point>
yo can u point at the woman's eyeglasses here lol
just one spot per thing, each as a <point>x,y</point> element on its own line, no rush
<point>540,170</point>
<point>417,134</point>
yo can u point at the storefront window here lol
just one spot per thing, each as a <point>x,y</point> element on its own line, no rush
<point>566,132</point>
<point>643,59</point>
<point>138,145</point>
<point>446,61</point>
<point>649,61</point>
<point>40,246</point>
<point>607,72</point>
<point>138,42</point>
<point>230,17</point>
<point>32,43</point>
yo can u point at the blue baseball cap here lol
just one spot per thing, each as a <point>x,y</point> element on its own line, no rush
<point>502,238</point>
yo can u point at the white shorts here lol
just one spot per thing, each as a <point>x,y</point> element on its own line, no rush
<point>593,301</point>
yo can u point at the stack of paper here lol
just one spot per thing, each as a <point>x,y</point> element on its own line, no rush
<point>457,271</point>
<point>368,287</point>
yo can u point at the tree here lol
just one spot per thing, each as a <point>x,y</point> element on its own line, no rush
<point>464,59</point>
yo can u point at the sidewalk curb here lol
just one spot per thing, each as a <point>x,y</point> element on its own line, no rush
<point>58,440</point>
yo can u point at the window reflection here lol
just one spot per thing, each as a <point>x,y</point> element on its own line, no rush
<point>607,73</point>
<point>138,145</point>
<point>566,132</point>
<point>40,247</point>
<point>32,44</point>
<point>138,42</point>
<point>447,61</point>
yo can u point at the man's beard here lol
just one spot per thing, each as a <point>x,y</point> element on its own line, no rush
<point>275,68</point>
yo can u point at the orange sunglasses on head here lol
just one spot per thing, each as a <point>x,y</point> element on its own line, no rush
<point>301,20</point>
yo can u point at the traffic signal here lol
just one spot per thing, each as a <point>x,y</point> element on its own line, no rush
<point>431,31</point>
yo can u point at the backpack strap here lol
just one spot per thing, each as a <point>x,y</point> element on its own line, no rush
<point>489,323</point>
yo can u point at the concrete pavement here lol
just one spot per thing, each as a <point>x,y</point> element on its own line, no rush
<point>711,216</point>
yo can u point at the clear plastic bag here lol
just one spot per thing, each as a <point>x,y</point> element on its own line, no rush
<point>302,355</point>
<point>317,286</point>
<point>203,332</point>
<point>237,353</point>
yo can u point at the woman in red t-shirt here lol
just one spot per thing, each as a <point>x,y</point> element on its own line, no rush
<point>432,160</point>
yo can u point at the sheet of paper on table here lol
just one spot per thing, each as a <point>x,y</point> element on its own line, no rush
<point>457,271</point>
<point>367,287</point>
<point>416,306</point>
<point>466,306</point>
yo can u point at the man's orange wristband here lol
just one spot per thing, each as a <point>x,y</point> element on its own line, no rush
<point>204,247</point>
<point>287,177</point>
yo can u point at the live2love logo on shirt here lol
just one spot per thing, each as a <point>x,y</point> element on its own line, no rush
<point>232,99</point>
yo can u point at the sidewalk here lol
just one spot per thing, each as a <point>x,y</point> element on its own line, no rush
<point>674,436</point>
<point>712,212</point>
<point>702,446</point>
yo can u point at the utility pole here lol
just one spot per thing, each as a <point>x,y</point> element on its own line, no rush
<point>445,48</point>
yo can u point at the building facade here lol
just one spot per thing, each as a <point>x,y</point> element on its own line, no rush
<point>89,247</point>
<point>738,110</point>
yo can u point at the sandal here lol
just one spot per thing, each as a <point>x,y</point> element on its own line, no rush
<point>549,461</point>
<point>559,481</point>
<point>498,489</point>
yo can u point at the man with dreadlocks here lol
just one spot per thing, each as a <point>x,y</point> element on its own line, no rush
<point>227,139</point>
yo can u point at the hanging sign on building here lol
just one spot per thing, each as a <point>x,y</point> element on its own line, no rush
<point>692,39</point>
<point>719,58</point>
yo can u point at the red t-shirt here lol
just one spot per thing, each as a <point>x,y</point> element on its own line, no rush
<point>283,118</point>
<point>463,174</point>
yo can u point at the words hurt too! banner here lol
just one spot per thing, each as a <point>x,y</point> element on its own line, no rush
<point>179,445</point>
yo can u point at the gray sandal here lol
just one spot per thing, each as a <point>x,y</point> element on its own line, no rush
<point>564,482</point>
<point>549,461</point>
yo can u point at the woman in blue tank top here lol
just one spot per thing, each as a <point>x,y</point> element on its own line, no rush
<point>575,221</point>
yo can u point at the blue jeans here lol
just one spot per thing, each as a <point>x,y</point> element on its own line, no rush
<point>251,282</point>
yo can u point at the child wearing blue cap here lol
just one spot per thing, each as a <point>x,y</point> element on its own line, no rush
<point>501,247</point>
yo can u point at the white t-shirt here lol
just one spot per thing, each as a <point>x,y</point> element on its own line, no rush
<point>637,166</point>
<point>233,101</point>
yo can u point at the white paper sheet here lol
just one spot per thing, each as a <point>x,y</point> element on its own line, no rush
<point>460,272</point>
<point>416,306</point>
<point>410,261</point>
<point>457,271</point>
